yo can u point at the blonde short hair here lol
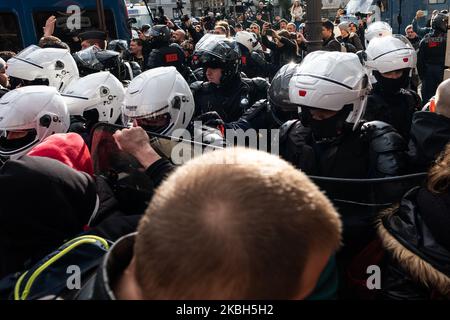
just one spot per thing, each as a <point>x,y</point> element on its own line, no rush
<point>243,229</point>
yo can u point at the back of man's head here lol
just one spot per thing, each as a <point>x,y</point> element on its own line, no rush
<point>235,224</point>
<point>443,99</point>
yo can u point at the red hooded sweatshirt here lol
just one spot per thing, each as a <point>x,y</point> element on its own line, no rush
<point>69,148</point>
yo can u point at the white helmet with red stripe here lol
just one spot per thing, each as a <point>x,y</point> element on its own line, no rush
<point>390,53</point>
<point>331,81</point>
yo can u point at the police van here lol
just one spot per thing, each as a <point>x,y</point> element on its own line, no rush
<point>21,21</point>
<point>141,14</point>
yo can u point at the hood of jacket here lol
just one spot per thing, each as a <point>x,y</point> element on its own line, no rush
<point>69,148</point>
<point>408,235</point>
<point>430,132</point>
<point>42,203</point>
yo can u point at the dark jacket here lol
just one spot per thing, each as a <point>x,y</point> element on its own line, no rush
<point>397,109</point>
<point>167,55</point>
<point>114,263</point>
<point>415,42</point>
<point>229,101</point>
<point>430,132</point>
<point>431,52</point>
<point>280,56</point>
<point>352,41</point>
<point>416,239</point>
<point>119,224</point>
<point>331,44</point>
<point>43,203</point>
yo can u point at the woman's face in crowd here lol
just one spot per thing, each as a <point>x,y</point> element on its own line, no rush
<point>352,28</point>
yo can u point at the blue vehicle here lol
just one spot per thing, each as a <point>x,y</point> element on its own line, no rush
<point>406,10</point>
<point>399,13</point>
<point>21,21</point>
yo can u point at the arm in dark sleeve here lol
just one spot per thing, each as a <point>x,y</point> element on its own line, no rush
<point>419,28</point>
<point>267,43</point>
<point>159,170</point>
<point>196,36</point>
<point>154,60</point>
<point>421,59</point>
<point>288,43</point>
<point>357,43</point>
<point>253,118</point>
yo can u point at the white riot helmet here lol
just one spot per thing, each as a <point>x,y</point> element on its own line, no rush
<point>247,39</point>
<point>48,66</point>
<point>332,81</point>
<point>391,53</point>
<point>159,100</point>
<point>38,111</point>
<point>377,29</point>
<point>101,93</point>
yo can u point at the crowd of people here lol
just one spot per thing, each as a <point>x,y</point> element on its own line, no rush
<point>96,171</point>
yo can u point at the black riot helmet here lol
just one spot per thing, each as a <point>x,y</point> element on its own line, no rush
<point>280,105</point>
<point>160,34</point>
<point>439,22</point>
<point>118,45</point>
<point>93,60</point>
<point>218,52</point>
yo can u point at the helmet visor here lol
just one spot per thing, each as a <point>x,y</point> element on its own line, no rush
<point>88,56</point>
<point>15,141</point>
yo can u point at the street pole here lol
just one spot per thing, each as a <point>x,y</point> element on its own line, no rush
<point>313,25</point>
<point>399,17</point>
<point>101,16</point>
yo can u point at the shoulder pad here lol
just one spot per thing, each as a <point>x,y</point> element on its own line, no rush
<point>256,56</point>
<point>375,128</point>
<point>286,128</point>
<point>196,86</point>
<point>261,83</point>
<point>412,98</point>
<point>382,137</point>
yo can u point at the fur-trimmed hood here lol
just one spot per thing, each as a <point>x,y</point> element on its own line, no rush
<point>412,245</point>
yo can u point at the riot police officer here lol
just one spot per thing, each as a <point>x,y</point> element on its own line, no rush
<point>431,56</point>
<point>225,91</point>
<point>330,140</point>
<point>93,59</point>
<point>392,60</point>
<point>253,60</point>
<point>274,111</point>
<point>163,53</point>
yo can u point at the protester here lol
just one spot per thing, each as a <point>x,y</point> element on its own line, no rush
<point>416,239</point>
<point>247,177</point>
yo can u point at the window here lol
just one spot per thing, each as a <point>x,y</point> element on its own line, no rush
<point>436,1</point>
<point>10,37</point>
<point>89,21</point>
